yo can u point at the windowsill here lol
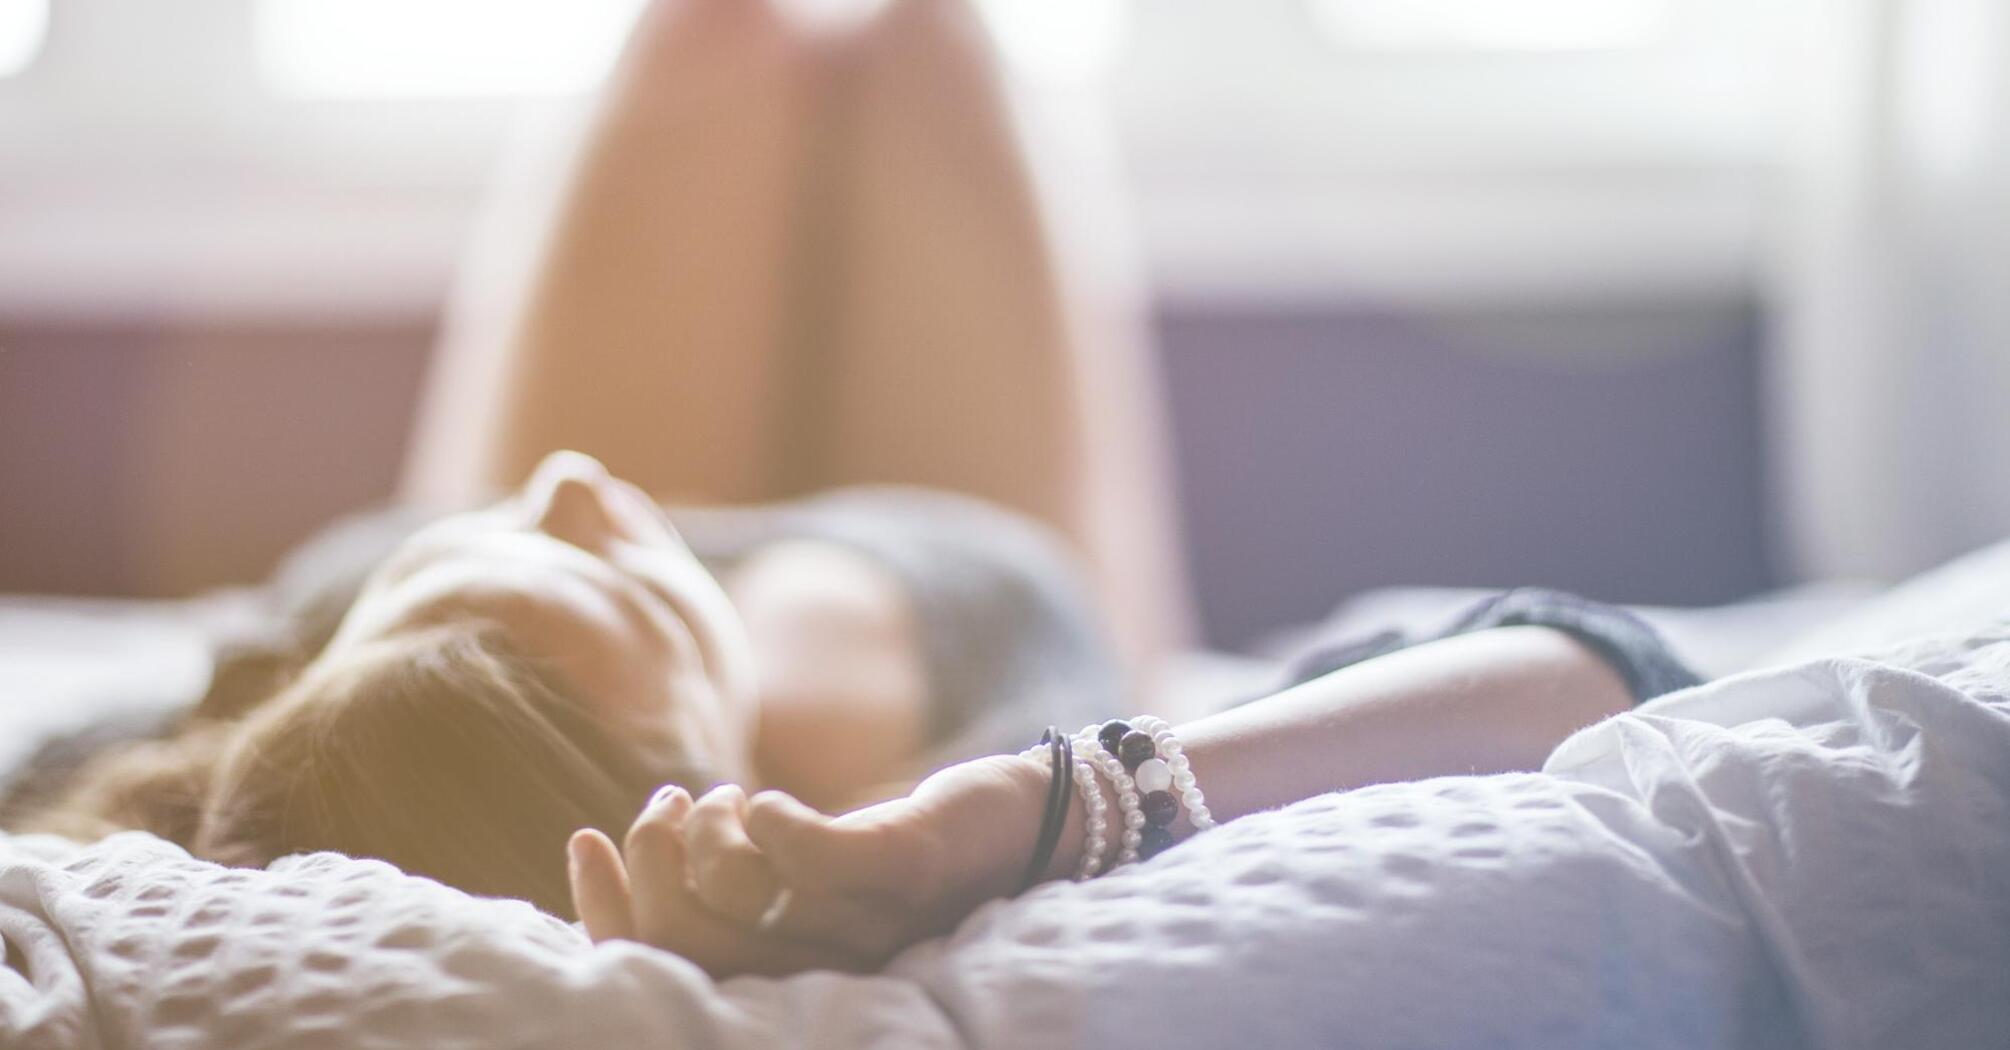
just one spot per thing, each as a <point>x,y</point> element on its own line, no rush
<point>98,250</point>
<point>1448,240</point>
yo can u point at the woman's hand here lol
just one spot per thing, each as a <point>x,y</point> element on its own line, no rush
<point>769,885</point>
<point>640,892</point>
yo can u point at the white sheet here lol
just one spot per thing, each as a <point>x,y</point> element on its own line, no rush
<point>1814,856</point>
<point>68,663</point>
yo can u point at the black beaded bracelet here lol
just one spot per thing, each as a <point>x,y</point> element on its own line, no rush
<point>1060,794</point>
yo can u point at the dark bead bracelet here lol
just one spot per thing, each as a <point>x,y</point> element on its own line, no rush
<point>1134,749</point>
<point>1153,841</point>
<point>1112,734</point>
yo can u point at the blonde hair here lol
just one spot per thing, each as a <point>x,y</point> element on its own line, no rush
<point>443,752</point>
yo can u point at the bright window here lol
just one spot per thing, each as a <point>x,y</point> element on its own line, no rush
<point>1494,25</point>
<point>1367,148</point>
<point>465,48</point>
<point>22,25</point>
<point>1066,40</point>
<point>439,48</point>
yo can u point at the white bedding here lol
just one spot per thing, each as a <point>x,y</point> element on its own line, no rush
<point>1812,856</point>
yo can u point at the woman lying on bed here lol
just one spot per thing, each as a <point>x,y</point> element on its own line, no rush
<point>459,695</point>
<point>544,669</point>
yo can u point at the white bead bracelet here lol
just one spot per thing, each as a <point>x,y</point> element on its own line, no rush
<point>1120,780</point>
<point>1096,823</point>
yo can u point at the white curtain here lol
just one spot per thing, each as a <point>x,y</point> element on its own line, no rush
<point>1891,366</point>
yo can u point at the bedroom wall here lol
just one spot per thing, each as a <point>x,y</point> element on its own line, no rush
<point>1611,449</point>
<point>158,458</point>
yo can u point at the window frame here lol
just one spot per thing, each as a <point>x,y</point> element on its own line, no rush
<point>1263,163</point>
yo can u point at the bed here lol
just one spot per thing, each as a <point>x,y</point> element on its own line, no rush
<point>1814,851</point>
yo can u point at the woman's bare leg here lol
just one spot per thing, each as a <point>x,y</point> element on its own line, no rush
<point>964,350</point>
<point>639,314</point>
<point>718,326</point>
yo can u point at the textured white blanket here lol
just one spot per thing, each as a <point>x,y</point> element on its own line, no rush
<point>1815,856</point>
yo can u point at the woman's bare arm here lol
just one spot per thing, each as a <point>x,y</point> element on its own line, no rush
<point>1489,702</point>
<point>867,883</point>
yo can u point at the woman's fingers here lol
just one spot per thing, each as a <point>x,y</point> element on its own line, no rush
<point>599,886</point>
<point>851,853</point>
<point>733,877</point>
<point>670,916</point>
<point>844,883</point>
<point>657,878</point>
<point>727,871</point>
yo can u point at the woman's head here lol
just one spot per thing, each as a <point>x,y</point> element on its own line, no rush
<point>444,751</point>
<point>504,678</point>
<point>585,578</point>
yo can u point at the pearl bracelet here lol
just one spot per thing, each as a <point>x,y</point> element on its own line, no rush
<point>1096,820</point>
<point>1129,806</point>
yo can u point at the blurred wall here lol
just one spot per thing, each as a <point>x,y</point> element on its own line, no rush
<point>1610,449</point>
<point>163,458</point>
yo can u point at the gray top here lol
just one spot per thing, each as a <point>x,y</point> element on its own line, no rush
<point>1008,638</point>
